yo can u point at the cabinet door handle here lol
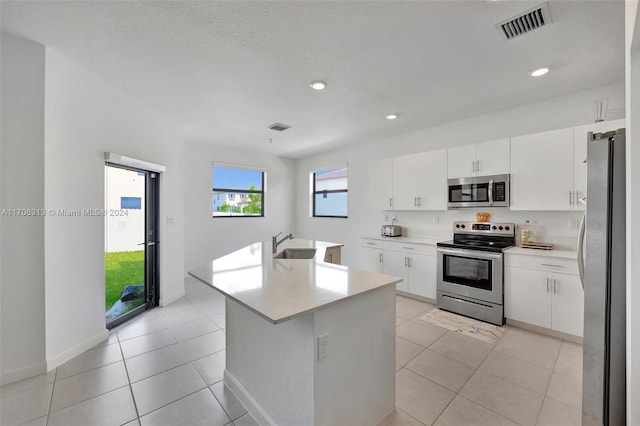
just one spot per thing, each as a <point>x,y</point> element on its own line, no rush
<point>570,198</point>
<point>408,248</point>
<point>419,201</point>
<point>409,262</point>
<point>390,202</point>
<point>549,264</point>
<point>380,257</point>
<point>477,165</point>
<point>555,287</point>
<point>405,261</point>
<point>547,284</point>
<point>371,244</point>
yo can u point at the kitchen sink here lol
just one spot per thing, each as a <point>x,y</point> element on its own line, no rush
<point>296,253</point>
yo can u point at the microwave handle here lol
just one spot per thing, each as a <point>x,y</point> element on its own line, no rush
<point>491,192</point>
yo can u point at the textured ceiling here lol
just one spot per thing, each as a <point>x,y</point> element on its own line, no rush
<point>230,69</point>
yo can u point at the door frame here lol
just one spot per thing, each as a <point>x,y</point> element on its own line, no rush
<point>151,242</point>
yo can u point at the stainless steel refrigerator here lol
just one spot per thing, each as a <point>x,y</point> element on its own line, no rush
<point>601,258</point>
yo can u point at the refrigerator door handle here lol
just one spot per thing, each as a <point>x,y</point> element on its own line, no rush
<point>580,249</point>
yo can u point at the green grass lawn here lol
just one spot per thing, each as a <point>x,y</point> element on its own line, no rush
<point>122,269</point>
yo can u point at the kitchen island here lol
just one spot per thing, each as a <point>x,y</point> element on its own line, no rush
<point>308,342</point>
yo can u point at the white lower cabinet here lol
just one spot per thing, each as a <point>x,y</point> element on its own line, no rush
<point>414,263</point>
<point>422,275</point>
<point>543,297</point>
<point>395,263</point>
<point>371,256</point>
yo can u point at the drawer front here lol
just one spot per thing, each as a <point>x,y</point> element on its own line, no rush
<point>371,243</point>
<point>542,263</point>
<point>410,248</point>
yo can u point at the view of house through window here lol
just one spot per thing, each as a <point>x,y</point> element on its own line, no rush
<point>237,192</point>
<point>330,197</point>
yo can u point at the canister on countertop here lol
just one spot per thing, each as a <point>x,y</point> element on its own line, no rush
<point>526,233</point>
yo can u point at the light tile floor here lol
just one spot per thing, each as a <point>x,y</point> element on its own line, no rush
<point>445,378</point>
<point>166,368</point>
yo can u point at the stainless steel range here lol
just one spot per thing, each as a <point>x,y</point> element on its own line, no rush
<point>470,270</point>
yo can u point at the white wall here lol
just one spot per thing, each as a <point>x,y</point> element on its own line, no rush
<point>58,121</point>
<point>632,63</point>
<point>207,238</point>
<point>365,217</point>
<point>22,252</point>
<point>84,117</point>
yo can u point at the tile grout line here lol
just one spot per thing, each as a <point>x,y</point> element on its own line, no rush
<point>126,369</point>
<point>466,381</point>
<point>546,389</point>
<point>55,379</point>
<point>173,402</point>
<point>231,419</point>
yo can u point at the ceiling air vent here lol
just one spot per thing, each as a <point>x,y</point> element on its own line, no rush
<point>525,22</point>
<point>279,127</point>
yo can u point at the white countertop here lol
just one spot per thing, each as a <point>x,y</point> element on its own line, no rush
<point>281,289</point>
<point>567,254</point>
<point>408,240</point>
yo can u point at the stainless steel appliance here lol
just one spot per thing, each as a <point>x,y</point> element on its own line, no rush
<point>601,261</point>
<point>471,270</point>
<point>480,191</point>
<point>391,231</point>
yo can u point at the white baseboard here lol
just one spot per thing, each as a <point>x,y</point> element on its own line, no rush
<point>164,301</point>
<point>547,331</point>
<point>73,352</point>
<point>247,400</point>
<point>23,373</point>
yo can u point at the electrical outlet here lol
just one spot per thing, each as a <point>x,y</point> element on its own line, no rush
<point>573,223</point>
<point>436,219</point>
<point>323,346</point>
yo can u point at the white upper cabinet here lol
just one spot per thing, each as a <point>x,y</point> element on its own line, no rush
<point>432,180</point>
<point>381,188</point>
<point>461,161</point>
<point>542,171</point>
<point>405,182</point>
<point>580,155</point>
<point>548,169</point>
<point>420,181</point>
<point>482,159</point>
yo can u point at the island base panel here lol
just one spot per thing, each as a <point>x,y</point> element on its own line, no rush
<point>274,369</point>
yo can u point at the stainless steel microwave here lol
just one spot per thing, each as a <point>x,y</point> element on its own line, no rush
<point>478,191</point>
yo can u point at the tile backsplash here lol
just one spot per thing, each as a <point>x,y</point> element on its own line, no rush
<point>557,228</point>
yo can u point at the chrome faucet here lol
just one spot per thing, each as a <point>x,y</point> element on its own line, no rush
<point>275,243</point>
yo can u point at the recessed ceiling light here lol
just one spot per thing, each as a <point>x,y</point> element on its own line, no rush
<point>318,84</point>
<point>539,72</point>
<point>391,116</point>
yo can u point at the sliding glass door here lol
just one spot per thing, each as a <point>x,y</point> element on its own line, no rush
<point>131,242</point>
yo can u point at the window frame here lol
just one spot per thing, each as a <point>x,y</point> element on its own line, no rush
<point>234,191</point>
<point>314,192</point>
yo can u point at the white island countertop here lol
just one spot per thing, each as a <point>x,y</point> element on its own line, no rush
<point>281,289</point>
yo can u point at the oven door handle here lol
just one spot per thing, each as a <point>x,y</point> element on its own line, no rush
<point>471,253</point>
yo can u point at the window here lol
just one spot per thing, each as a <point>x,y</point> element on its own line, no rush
<point>247,184</point>
<point>330,192</point>
<point>130,203</point>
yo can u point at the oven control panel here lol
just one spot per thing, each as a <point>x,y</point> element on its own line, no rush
<point>481,228</point>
